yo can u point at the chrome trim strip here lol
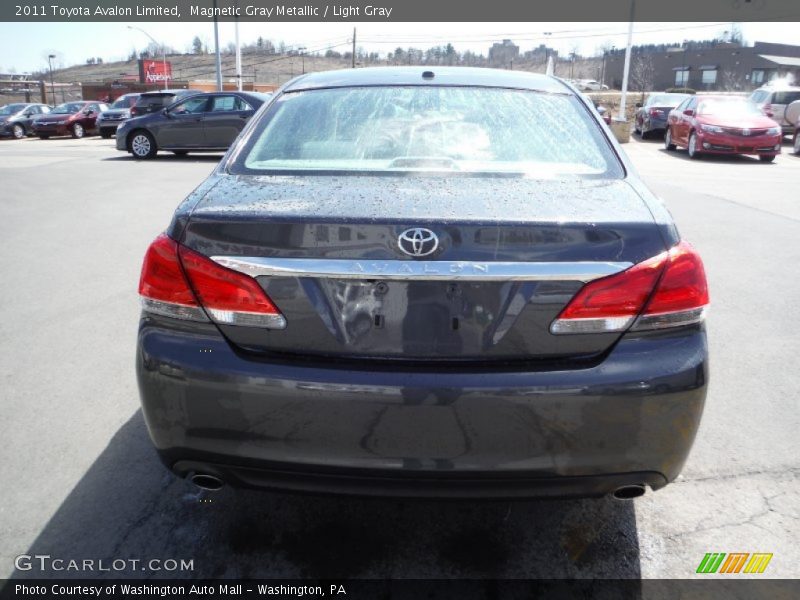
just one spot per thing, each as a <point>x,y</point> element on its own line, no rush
<point>426,270</point>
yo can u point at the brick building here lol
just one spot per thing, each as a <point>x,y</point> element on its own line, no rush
<point>705,66</point>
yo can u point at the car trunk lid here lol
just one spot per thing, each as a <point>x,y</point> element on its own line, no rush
<point>510,254</point>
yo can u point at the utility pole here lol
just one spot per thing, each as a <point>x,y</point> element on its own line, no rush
<point>627,67</point>
<point>52,84</point>
<point>238,53</point>
<point>216,49</point>
<point>302,50</point>
<point>354,49</point>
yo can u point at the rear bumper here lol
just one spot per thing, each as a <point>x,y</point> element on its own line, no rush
<point>316,427</point>
<point>654,124</point>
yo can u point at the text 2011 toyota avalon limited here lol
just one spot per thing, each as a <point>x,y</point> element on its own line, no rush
<point>418,283</point>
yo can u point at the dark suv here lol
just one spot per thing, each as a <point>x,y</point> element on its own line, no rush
<point>150,102</point>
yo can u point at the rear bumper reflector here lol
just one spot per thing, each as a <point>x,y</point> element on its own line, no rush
<point>171,309</point>
<point>426,270</point>
<point>670,319</point>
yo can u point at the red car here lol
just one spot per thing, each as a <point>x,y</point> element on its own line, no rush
<point>71,118</point>
<point>722,125</point>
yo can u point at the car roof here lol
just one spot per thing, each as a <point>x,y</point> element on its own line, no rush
<point>452,76</point>
<point>171,92</point>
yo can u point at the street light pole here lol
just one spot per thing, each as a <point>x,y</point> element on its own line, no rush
<point>302,51</point>
<point>626,67</point>
<point>163,51</point>
<point>50,58</point>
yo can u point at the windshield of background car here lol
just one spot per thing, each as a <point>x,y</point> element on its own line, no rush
<point>155,102</point>
<point>416,128</point>
<point>666,100</point>
<point>11,109</point>
<point>122,102</point>
<point>68,108</point>
<point>731,108</point>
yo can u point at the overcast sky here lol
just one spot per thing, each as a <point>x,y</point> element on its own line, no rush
<point>25,46</point>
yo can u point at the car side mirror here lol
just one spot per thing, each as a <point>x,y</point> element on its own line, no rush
<point>89,113</point>
<point>27,114</point>
<point>638,105</point>
<point>689,112</point>
<point>166,113</point>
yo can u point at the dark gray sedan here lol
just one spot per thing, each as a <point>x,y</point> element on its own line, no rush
<point>16,120</point>
<point>198,123</point>
<point>413,282</point>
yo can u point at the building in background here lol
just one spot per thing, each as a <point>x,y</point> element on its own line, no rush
<point>705,66</point>
<point>503,53</point>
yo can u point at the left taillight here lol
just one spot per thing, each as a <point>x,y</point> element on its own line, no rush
<point>668,290</point>
<point>180,283</point>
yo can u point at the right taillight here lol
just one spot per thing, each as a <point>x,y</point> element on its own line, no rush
<point>180,283</point>
<point>667,290</point>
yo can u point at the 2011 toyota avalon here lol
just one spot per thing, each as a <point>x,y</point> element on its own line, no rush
<point>424,283</point>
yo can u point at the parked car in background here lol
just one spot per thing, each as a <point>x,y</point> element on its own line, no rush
<point>119,111</point>
<point>199,123</point>
<point>792,114</point>
<point>71,118</point>
<point>150,102</point>
<point>590,85</point>
<point>652,115</point>
<point>377,292</point>
<point>722,125</point>
<point>603,112</point>
<point>16,120</point>
<point>773,98</point>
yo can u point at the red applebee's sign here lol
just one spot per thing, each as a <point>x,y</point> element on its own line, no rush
<point>154,71</point>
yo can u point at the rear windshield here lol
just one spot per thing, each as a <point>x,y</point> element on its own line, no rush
<point>666,100</point>
<point>416,128</point>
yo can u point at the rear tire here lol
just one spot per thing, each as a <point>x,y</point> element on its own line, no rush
<point>77,131</point>
<point>766,159</point>
<point>142,145</point>
<point>692,147</point>
<point>796,144</point>
<point>668,145</point>
<point>105,134</point>
<point>645,135</point>
<point>18,131</point>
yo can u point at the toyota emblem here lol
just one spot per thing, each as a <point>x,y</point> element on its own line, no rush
<point>745,132</point>
<point>418,241</point>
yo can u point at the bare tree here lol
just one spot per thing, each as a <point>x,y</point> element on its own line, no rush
<point>642,74</point>
<point>732,80</point>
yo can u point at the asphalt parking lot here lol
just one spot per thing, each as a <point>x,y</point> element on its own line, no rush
<point>81,479</point>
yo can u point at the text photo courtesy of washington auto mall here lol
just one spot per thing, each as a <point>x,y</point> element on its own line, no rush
<point>400,300</point>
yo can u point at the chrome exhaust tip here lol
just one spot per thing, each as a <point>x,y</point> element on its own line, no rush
<point>629,492</point>
<point>207,482</point>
